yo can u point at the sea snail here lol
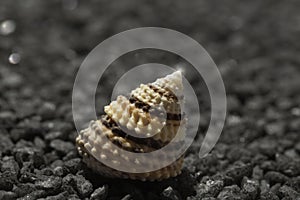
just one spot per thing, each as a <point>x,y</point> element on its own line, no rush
<point>152,112</point>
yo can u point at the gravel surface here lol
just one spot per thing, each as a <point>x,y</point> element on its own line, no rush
<point>255,45</point>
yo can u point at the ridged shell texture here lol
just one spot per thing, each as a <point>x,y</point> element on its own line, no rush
<point>152,116</point>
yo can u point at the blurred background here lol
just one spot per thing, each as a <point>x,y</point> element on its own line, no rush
<point>255,45</point>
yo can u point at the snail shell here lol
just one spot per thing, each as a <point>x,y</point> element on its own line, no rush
<point>152,116</point>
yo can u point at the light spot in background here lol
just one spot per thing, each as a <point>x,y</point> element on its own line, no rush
<point>296,111</point>
<point>7,27</point>
<point>14,58</point>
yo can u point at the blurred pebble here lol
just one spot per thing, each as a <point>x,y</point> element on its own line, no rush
<point>7,27</point>
<point>7,195</point>
<point>61,146</point>
<point>296,111</point>
<point>286,191</point>
<point>269,196</point>
<point>69,4</point>
<point>170,194</point>
<point>127,197</point>
<point>14,58</point>
<point>100,193</point>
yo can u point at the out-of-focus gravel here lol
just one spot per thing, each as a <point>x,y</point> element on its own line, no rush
<point>256,45</point>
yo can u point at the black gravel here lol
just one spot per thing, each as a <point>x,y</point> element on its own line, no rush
<point>255,44</point>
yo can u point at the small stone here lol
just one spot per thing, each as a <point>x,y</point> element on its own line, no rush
<point>9,164</point>
<point>297,147</point>
<point>6,144</point>
<point>288,166</point>
<point>257,173</point>
<point>6,183</point>
<point>49,182</point>
<point>38,142</point>
<point>60,171</point>
<point>275,177</point>
<point>170,194</point>
<point>73,165</point>
<point>100,193</point>
<point>264,186</point>
<point>68,184</point>
<point>61,146</point>
<point>210,188</point>
<point>238,171</point>
<point>55,135</point>
<point>12,80</point>
<point>73,197</point>
<point>61,196</point>
<point>276,128</point>
<point>23,189</point>
<point>47,111</point>
<point>24,154</point>
<point>269,196</point>
<point>230,192</point>
<point>83,186</point>
<point>127,197</point>
<point>7,195</point>
<point>35,195</point>
<point>250,188</point>
<point>286,191</point>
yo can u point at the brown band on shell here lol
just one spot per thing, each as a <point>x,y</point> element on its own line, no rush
<point>139,104</point>
<point>167,93</point>
<point>154,112</point>
<point>113,126</point>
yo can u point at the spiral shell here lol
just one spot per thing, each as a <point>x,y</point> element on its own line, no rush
<point>152,116</point>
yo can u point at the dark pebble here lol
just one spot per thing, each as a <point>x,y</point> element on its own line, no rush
<point>257,173</point>
<point>9,164</point>
<point>61,196</point>
<point>6,181</point>
<point>170,194</point>
<point>62,147</point>
<point>48,183</point>
<point>39,143</point>
<point>32,154</point>
<point>69,184</point>
<point>250,188</point>
<point>286,191</point>
<point>230,192</point>
<point>83,186</point>
<point>60,171</point>
<point>73,197</point>
<point>34,195</point>
<point>269,196</point>
<point>275,177</point>
<point>6,144</point>
<point>55,135</point>
<point>210,188</point>
<point>100,193</point>
<point>288,166</point>
<point>127,197</point>
<point>5,195</point>
<point>47,111</point>
<point>238,171</point>
<point>24,188</point>
<point>73,165</point>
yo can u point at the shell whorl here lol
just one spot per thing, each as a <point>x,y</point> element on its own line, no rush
<point>152,116</point>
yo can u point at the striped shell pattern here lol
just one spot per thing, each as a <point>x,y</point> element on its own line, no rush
<point>152,116</point>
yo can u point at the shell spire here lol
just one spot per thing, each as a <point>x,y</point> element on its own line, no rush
<point>152,116</point>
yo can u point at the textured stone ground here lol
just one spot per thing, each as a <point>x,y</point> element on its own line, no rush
<point>256,45</point>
